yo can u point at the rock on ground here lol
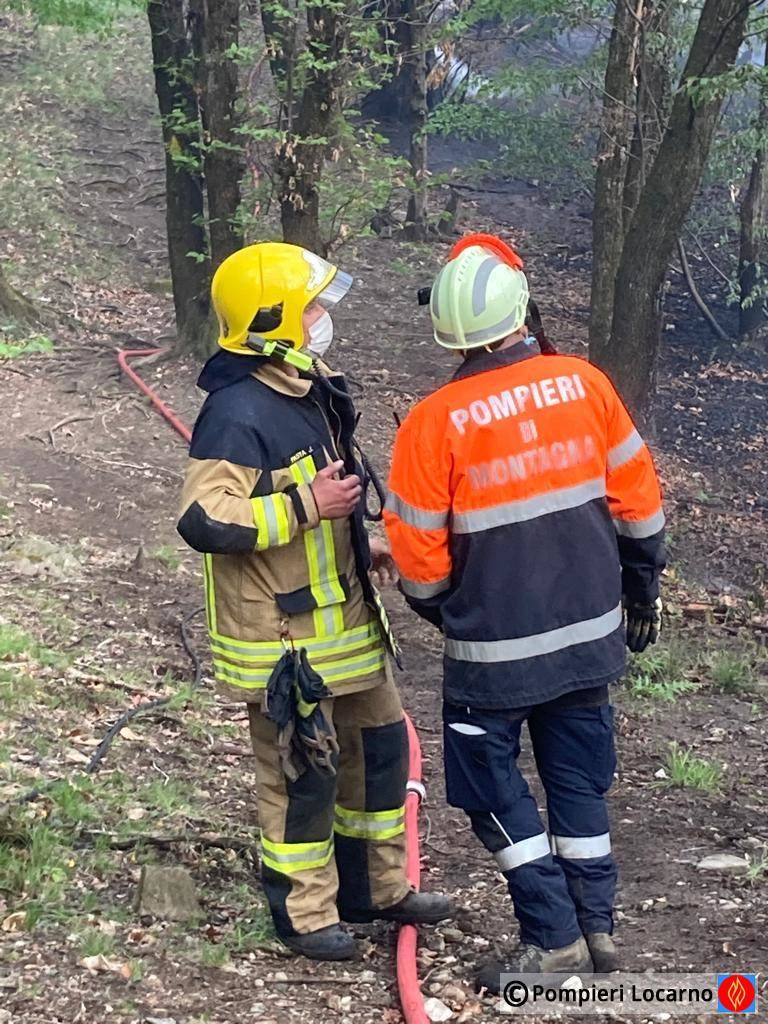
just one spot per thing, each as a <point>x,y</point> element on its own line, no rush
<point>725,863</point>
<point>168,893</point>
<point>36,556</point>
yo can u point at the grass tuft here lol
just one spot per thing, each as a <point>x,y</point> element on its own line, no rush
<point>686,770</point>
<point>34,868</point>
<point>37,345</point>
<point>213,955</point>
<point>732,670</point>
<point>661,674</point>
<point>253,932</point>
<point>72,802</point>
<point>758,869</point>
<point>168,556</point>
<point>96,943</point>
<point>166,796</point>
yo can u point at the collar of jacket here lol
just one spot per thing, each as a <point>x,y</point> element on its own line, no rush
<point>226,368</point>
<point>494,360</point>
<point>286,384</point>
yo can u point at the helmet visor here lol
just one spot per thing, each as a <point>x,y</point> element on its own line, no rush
<point>335,290</point>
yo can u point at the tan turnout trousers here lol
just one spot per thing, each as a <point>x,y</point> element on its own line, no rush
<point>332,845</point>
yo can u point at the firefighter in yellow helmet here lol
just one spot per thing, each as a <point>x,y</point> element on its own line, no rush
<point>273,500</point>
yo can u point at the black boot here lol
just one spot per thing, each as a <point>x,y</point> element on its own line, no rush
<point>331,943</point>
<point>415,908</point>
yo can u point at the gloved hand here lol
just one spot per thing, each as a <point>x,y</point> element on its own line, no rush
<point>643,622</point>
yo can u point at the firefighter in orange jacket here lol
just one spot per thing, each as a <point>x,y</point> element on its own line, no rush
<point>525,519</point>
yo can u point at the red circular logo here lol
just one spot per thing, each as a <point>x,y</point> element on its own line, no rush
<point>736,993</point>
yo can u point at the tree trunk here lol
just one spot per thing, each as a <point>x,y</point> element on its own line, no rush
<point>302,155</point>
<point>223,162</point>
<point>615,132</point>
<point>13,304</point>
<point>654,84</point>
<point>416,71</point>
<point>631,358</point>
<point>753,249</point>
<point>278,25</point>
<point>391,99</point>
<point>185,212</point>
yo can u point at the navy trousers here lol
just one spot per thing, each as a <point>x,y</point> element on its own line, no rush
<point>562,885</point>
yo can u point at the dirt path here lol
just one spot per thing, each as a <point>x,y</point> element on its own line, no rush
<point>95,581</point>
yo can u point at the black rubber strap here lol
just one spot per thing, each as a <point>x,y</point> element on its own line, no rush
<point>292,490</point>
<point>537,328</point>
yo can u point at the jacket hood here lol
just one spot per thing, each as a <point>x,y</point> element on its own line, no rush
<point>225,368</point>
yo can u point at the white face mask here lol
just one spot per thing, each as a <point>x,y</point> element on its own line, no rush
<point>321,335</point>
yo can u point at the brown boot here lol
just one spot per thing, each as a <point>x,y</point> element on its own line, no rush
<point>604,954</point>
<point>572,959</point>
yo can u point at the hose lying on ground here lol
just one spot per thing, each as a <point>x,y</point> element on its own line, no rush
<point>411,998</point>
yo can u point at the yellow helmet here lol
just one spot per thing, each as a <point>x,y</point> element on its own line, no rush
<point>265,288</point>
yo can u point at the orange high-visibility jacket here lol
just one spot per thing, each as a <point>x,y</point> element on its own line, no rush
<point>523,504</point>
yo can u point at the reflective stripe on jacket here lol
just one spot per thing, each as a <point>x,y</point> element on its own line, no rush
<point>523,504</point>
<point>270,564</point>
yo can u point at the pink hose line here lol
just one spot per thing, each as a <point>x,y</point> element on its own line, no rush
<point>411,999</point>
<point>123,355</point>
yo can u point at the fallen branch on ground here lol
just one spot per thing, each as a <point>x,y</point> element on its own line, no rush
<point>164,842</point>
<point>704,309</point>
<point>63,423</point>
<point>310,979</point>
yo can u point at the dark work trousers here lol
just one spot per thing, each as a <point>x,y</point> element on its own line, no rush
<point>563,884</point>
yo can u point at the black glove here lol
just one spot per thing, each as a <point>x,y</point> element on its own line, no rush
<point>643,624</point>
<point>305,737</point>
<point>313,729</point>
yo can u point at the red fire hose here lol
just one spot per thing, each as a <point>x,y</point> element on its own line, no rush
<point>123,355</point>
<point>411,999</point>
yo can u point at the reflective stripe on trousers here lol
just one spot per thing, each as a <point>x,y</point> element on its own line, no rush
<point>291,857</point>
<point>522,852</point>
<point>371,825</point>
<point>582,847</point>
